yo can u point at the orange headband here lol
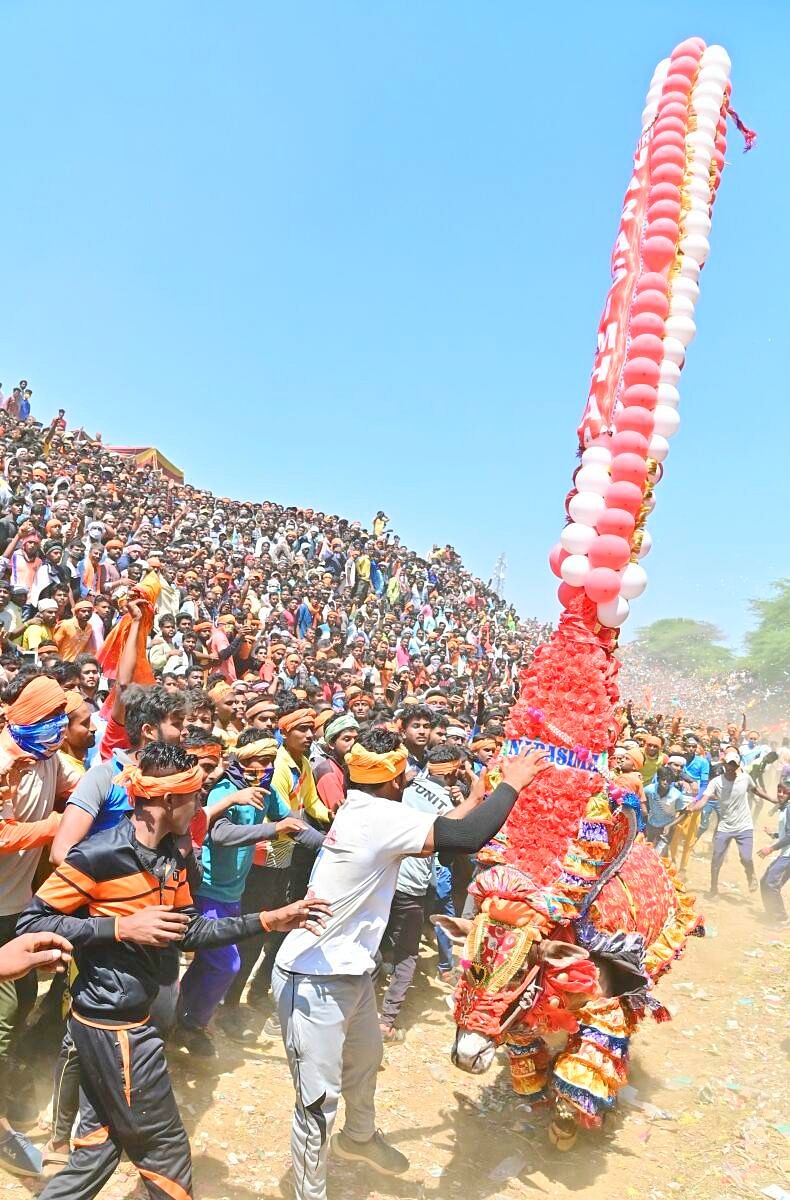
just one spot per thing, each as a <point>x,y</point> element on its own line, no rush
<point>151,787</point>
<point>209,750</point>
<point>220,691</point>
<point>74,700</point>
<point>259,707</point>
<point>40,699</point>
<point>444,768</point>
<point>483,743</point>
<point>364,767</point>
<point>300,716</point>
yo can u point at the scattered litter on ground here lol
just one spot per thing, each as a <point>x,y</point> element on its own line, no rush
<point>508,1168</point>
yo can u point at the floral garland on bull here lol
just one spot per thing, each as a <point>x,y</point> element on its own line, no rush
<point>578,917</point>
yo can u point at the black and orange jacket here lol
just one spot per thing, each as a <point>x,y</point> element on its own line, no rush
<point>108,876</point>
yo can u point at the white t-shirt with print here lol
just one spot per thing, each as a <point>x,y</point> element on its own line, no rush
<point>356,871</point>
<point>735,815</point>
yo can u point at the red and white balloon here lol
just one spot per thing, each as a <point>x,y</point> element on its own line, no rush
<point>677,170</point>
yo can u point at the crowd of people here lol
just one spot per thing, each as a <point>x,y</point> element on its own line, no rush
<point>692,778</point>
<point>205,705</point>
<point>667,688</point>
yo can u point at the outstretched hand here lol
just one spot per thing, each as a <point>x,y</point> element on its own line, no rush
<point>310,914</point>
<point>520,769</point>
<point>47,951</point>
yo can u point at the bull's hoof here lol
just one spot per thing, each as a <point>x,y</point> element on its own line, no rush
<point>563,1134</point>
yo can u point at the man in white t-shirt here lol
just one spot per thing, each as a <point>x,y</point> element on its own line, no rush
<point>730,791</point>
<point>322,983</point>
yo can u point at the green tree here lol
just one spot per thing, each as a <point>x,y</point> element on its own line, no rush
<point>692,646</point>
<point>768,645</point>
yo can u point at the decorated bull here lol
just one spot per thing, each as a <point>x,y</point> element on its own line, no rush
<point>577,917</point>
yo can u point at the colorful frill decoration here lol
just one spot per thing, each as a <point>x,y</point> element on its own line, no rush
<point>587,1075</point>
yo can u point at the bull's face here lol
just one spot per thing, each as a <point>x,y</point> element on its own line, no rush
<point>505,967</point>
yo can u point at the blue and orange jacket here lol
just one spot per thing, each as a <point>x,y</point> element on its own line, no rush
<point>103,878</point>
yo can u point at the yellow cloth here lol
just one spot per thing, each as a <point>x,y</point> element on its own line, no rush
<point>34,635</point>
<point>302,796</point>
<point>364,767</point>
<point>263,748</point>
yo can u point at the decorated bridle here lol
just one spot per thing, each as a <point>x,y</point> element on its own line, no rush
<point>502,985</point>
<point>527,995</point>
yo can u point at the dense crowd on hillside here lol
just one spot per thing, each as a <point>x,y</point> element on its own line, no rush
<point>292,597</point>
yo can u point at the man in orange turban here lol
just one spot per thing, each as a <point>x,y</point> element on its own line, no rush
<point>33,777</point>
<point>323,985</point>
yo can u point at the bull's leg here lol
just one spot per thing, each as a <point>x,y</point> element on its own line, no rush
<point>587,1075</point>
<point>530,1063</point>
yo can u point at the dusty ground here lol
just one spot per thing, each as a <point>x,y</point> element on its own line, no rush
<point>706,1116</point>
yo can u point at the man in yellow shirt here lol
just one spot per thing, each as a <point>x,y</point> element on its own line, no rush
<point>362,585</point>
<point>40,628</point>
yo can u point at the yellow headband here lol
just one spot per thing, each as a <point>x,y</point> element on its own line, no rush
<point>262,748</point>
<point>364,767</point>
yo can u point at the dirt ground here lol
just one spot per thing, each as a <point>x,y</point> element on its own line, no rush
<point>705,1116</point>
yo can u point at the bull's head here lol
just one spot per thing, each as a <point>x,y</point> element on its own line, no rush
<point>519,975</point>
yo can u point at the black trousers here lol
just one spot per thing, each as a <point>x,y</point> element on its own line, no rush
<point>66,1087</point>
<point>266,888</point>
<point>66,1091</point>
<point>126,1104</point>
<point>401,943</point>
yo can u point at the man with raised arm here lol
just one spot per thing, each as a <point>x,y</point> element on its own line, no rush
<point>322,983</point>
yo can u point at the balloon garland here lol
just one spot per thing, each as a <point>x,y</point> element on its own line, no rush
<point>646,328</point>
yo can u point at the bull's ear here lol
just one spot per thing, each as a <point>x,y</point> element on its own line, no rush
<point>560,954</point>
<point>456,928</point>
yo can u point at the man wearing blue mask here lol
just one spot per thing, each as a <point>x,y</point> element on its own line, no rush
<point>33,776</point>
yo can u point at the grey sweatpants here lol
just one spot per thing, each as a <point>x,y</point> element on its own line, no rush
<point>331,1032</point>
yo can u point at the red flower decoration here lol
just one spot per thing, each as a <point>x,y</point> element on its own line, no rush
<point>571,684</point>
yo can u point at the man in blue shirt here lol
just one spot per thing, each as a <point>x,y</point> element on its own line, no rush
<point>227,856</point>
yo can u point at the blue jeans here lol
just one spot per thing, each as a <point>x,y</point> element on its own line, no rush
<point>708,810</point>
<point>744,840</point>
<point>771,886</point>
<point>444,905</point>
<point>211,972</point>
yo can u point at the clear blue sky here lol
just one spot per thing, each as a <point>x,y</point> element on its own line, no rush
<point>354,255</point>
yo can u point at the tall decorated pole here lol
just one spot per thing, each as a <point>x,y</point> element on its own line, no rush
<point>569,691</point>
<point>577,917</point>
